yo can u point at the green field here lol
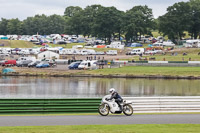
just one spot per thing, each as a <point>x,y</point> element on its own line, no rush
<point>17,44</point>
<point>192,53</point>
<point>147,70</point>
<point>26,44</point>
<point>169,57</point>
<point>138,128</point>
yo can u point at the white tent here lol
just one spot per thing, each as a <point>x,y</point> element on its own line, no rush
<point>48,55</point>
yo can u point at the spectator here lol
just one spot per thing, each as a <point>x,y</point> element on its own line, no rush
<point>184,54</point>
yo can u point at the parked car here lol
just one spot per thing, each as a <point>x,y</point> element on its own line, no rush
<point>33,64</point>
<point>74,65</point>
<point>9,63</point>
<point>23,63</point>
<point>42,65</point>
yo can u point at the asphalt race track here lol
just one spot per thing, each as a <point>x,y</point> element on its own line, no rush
<point>99,120</point>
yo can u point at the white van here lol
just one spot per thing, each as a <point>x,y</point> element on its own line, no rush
<point>87,64</point>
<point>111,52</point>
<point>137,51</point>
<point>168,44</point>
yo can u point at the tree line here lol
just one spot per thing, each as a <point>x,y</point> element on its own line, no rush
<point>95,20</point>
<point>108,22</point>
<point>181,17</point>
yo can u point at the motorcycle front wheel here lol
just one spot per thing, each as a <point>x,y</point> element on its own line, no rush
<point>128,110</point>
<point>103,109</point>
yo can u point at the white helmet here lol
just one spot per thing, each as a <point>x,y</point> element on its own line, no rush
<point>112,90</point>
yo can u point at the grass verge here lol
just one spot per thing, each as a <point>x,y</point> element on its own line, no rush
<point>148,70</point>
<point>139,128</point>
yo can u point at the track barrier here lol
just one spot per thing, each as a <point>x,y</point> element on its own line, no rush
<point>90,105</point>
<point>32,106</point>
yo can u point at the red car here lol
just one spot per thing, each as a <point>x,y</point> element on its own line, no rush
<point>9,63</point>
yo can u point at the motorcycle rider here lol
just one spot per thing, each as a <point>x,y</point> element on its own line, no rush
<point>116,96</point>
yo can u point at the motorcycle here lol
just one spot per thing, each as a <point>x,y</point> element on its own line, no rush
<point>107,106</point>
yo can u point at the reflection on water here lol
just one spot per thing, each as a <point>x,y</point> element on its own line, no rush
<point>34,87</point>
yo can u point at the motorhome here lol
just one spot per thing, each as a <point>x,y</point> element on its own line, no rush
<point>34,51</point>
<point>192,44</point>
<point>5,51</point>
<point>91,52</point>
<point>77,46</point>
<point>56,49</point>
<point>88,52</point>
<point>111,52</point>
<point>116,44</point>
<point>21,59</point>
<point>12,37</point>
<point>168,44</point>
<point>66,51</point>
<point>24,52</point>
<point>88,64</point>
<point>136,51</point>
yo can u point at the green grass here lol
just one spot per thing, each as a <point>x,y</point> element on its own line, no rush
<point>138,128</point>
<point>17,43</point>
<point>168,57</point>
<point>26,44</point>
<point>148,70</point>
<point>191,53</point>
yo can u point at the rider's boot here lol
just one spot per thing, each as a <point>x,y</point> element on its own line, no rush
<point>120,107</point>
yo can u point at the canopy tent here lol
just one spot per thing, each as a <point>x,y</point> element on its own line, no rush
<point>7,70</point>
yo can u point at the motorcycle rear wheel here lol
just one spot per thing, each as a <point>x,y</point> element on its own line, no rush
<point>103,109</point>
<point>128,110</point>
